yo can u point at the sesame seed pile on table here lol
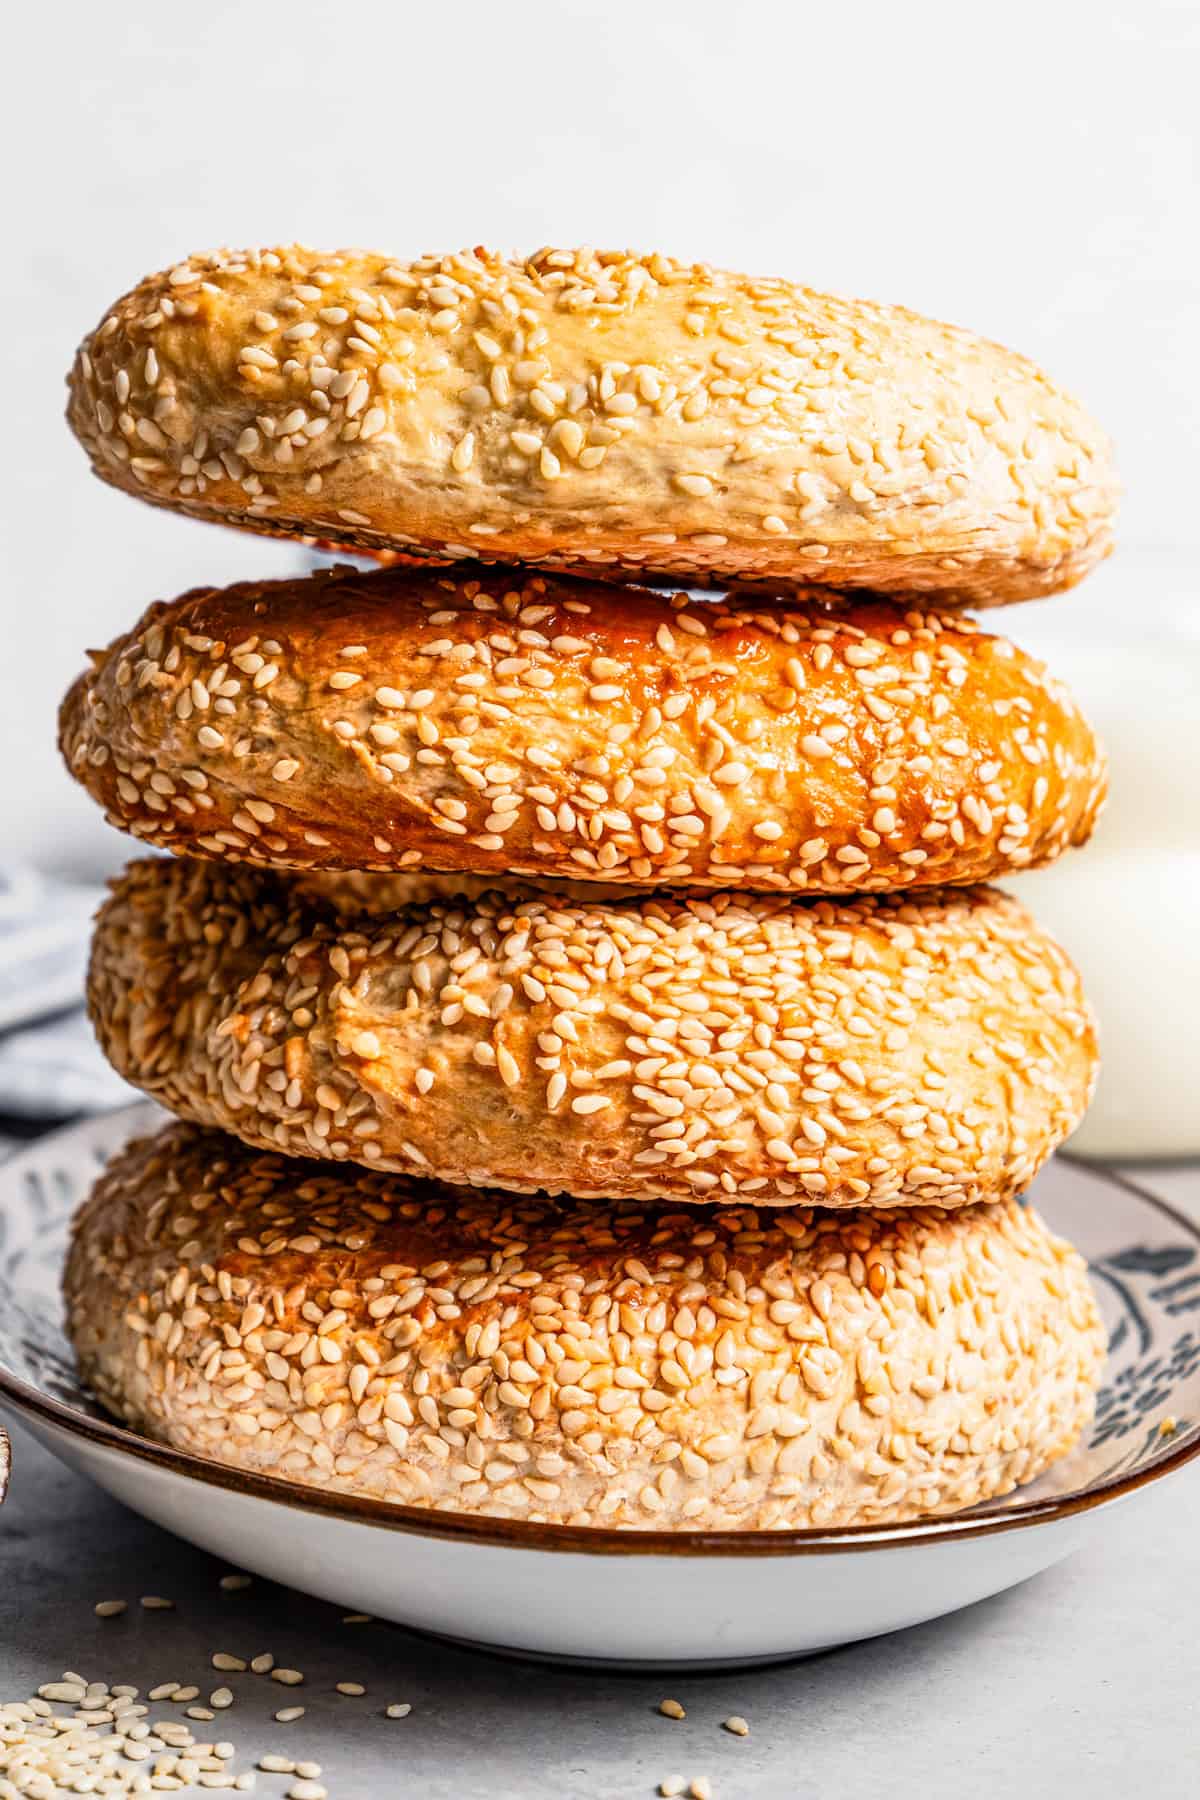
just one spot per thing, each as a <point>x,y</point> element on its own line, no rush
<point>606,1082</point>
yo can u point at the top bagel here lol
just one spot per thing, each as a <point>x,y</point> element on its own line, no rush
<point>630,415</point>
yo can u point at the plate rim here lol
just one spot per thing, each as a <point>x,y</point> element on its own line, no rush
<point>485,1530</point>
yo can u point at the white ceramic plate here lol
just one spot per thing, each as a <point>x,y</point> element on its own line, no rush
<point>630,1597</point>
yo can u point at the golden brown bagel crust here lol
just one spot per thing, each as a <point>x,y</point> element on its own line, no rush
<point>538,726</point>
<point>624,414</point>
<point>875,1052</point>
<point>590,1364</point>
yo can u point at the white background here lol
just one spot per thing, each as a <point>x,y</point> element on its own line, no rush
<point>1025,169</point>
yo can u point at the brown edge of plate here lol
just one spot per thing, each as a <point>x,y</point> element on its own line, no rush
<point>598,1540</point>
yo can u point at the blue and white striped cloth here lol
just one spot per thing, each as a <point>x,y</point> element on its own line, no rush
<point>50,1067</point>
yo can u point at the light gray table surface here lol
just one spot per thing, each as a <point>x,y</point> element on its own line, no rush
<point>1083,1681</point>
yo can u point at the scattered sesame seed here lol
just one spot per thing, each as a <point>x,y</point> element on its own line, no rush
<point>289,1677</point>
<point>399,1709</point>
<point>221,1659</point>
<point>671,1709</point>
<point>156,1603</point>
<point>737,1725</point>
<point>101,1747</point>
<point>233,1584</point>
<point>110,1609</point>
<point>287,1714</point>
<point>350,1687</point>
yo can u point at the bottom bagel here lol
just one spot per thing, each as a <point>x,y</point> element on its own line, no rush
<point>582,1363</point>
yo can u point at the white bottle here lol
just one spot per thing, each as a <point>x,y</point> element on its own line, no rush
<point>1127,906</point>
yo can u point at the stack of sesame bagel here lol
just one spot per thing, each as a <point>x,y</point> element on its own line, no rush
<point>607,1080</point>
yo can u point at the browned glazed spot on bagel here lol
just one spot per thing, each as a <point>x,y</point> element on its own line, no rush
<point>534,726</point>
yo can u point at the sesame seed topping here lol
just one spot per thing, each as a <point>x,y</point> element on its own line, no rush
<point>885,442</point>
<point>583,1360</point>
<point>701,1049</point>
<point>654,747</point>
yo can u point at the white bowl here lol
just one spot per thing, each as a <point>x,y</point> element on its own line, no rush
<point>684,1598</point>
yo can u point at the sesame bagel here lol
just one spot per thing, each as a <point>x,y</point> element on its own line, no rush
<point>589,1364</point>
<point>625,414</point>
<point>874,1052</point>
<point>506,724</point>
